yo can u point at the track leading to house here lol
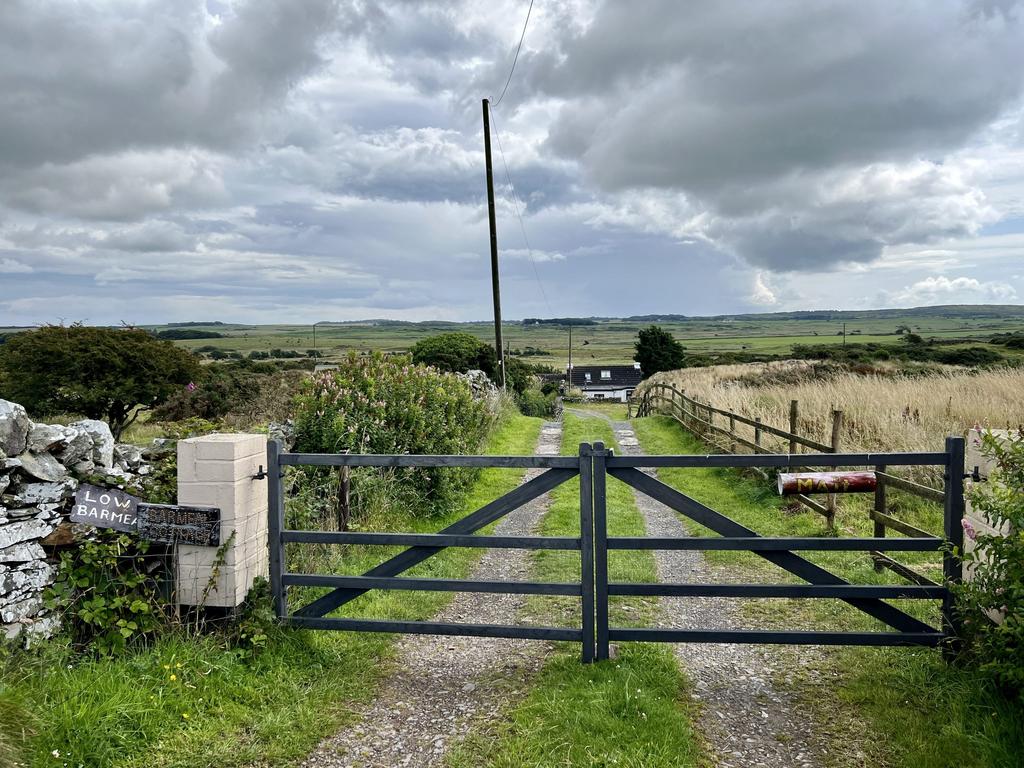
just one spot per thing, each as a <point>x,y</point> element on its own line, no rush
<point>443,687</point>
<point>746,719</point>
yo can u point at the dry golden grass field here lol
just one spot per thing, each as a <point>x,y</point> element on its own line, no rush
<point>882,410</point>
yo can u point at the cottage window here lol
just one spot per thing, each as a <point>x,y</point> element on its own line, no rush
<point>606,374</point>
<point>586,376</point>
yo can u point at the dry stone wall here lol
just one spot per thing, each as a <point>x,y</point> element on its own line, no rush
<point>41,466</point>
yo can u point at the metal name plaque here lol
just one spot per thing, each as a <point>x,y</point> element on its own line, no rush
<point>105,508</point>
<point>177,524</point>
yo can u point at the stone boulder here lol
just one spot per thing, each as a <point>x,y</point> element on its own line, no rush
<point>42,466</point>
<point>22,552</point>
<point>77,447</point>
<point>25,530</point>
<point>14,428</point>
<point>46,437</point>
<point>102,441</point>
<point>127,456</point>
<point>34,494</point>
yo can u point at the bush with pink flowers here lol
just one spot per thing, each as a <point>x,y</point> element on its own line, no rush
<point>387,404</point>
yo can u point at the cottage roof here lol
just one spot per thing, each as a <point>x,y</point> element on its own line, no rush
<point>605,376</point>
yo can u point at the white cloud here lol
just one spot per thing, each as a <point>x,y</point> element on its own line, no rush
<point>761,294</point>
<point>125,186</point>
<point>945,290</point>
<point>13,267</point>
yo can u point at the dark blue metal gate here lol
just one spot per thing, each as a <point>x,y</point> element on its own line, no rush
<point>593,465</point>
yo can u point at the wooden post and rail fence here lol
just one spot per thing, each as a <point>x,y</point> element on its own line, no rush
<point>699,418</point>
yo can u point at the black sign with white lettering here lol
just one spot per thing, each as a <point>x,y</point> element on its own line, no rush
<point>105,508</point>
<point>176,524</point>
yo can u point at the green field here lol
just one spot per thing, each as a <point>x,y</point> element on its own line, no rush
<point>610,341</point>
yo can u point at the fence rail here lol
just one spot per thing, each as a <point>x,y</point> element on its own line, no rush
<point>698,418</point>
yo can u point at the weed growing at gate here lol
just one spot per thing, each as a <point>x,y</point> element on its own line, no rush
<point>998,565</point>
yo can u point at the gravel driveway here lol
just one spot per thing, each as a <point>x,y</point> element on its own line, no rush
<point>444,687</point>
<point>746,720</point>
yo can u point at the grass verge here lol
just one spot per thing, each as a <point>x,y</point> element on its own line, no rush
<point>626,712</point>
<point>891,707</point>
<point>189,701</point>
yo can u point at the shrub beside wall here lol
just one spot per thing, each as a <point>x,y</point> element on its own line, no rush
<point>378,404</point>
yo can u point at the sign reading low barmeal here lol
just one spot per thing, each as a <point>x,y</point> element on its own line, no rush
<point>105,508</point>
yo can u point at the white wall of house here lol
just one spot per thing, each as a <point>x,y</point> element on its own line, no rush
<point>621,395</point>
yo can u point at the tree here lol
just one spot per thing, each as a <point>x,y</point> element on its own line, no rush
<point>454,353</point>
<point>102,373</point>
<point>657,350</point>
<point>460,352</point>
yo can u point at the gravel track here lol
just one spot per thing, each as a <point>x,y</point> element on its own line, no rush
<point>444,687</point>
<point>746,720</point>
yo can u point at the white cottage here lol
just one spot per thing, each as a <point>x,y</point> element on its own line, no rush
<point>606,382</point>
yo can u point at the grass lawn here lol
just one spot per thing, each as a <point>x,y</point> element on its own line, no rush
<point>898,707</point>
<point>630,711</point>
<point>189,701</point>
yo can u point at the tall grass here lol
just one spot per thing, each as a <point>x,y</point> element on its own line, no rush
<point>882,411</point>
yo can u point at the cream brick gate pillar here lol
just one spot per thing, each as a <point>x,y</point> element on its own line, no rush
<point>217,471</point>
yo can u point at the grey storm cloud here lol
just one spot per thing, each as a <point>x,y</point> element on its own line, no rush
<point>741,109</point>
<point>325,156</point>
<point>86,78</point>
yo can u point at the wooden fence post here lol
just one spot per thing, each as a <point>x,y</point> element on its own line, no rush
<point>344,509</point>
<point>757,434</point>
<point>837,426</point>
<point>880,507</point>
<point>792,425</point>
<point>732,432</point>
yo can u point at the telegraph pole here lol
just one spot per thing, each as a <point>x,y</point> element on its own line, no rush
<point>495,287</point>
<point>569,369</point>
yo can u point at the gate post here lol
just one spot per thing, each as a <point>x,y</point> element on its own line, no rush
<point>952,562</point>
<point>275,492</point>
<point>601,550</point>
<point>587,549</point>
<point>217,471</point>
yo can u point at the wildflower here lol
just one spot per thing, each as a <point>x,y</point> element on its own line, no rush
<point>191,387</point>
<point>178,665</point>
<point>56,753</point>
<point>969,529</point>
<point>184,715</point>
<point>173,678</point>
<point>167,666</point>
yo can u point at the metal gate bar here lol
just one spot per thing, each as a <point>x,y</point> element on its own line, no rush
<point>487,514</point>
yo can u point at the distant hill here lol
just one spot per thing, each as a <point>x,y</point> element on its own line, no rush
<point>963,311</point>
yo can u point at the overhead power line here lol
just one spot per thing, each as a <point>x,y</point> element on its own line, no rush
<point>522,225</point>
<point>516,58</point>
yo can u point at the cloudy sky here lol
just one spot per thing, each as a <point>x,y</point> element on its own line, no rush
<point>281,161</point>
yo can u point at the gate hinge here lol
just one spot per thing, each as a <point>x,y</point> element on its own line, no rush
<point>261,474</point>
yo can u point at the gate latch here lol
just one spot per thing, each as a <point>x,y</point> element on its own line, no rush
<point>975,475</point>
<point>261,474</point>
